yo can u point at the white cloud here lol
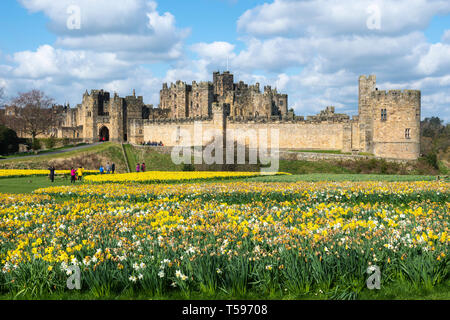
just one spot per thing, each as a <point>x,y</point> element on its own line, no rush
<point>128,27</point>
<point>214,51</point>
<point>359,53</point>
<point>436,61</point>
<point>47,61</point>
<point>334,17</point>
<point>446,36</point>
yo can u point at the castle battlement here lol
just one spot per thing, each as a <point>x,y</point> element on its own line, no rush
<point>396,95</point>
<point>371,77</point>
<point>178,121</point>
<point>201,85</point>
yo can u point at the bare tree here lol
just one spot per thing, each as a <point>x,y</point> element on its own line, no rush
<point>2,111</point>
<point>34,115</point>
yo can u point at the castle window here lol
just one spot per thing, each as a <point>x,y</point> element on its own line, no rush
<point>281,102</point>
<point>383,114</point>
<point>408,134</point>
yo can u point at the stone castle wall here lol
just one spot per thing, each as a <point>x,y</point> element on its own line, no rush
<point>388,123</point>
<point>326,135</point>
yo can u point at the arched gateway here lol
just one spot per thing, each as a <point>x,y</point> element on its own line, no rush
<point>104,134</point>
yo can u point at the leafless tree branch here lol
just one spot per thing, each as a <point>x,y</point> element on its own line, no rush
<point>33,113</point>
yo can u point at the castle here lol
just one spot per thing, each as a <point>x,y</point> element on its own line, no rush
<point>387,125</point>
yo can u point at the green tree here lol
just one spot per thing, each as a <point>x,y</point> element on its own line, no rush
<point>9,142</point>
<point>432,127</point>
<point>50,142</point>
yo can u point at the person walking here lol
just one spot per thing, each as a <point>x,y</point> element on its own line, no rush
<point>113,168</point>
<point>138,168</point>
<point>102,170</point>
<point>108,168</point>
<point>72,175</point>
<point>143,167</point>
<point>52,173</point>
<point>80,172</point>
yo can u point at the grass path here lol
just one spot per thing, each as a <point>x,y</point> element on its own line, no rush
<point>29,184</point>
<point>50,153</point>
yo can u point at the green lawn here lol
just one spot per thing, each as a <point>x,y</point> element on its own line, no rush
<point>390,291</point>
<point>342,177</point>
<point>29,184</point>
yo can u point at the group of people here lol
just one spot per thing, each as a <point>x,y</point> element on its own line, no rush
<point>75,174</point>
<point>140,167</point>
<point>153,144</point>
<point>110,169</point>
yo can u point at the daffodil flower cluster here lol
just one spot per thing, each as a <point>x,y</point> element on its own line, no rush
<point>227,237</point>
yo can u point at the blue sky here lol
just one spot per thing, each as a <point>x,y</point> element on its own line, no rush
<point>312,50</point>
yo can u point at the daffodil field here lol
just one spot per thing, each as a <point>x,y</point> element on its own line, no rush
<point>7,173</point>
<point>165,176</point>
<point>270,239</point>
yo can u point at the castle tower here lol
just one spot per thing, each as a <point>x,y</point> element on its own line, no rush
<point>223,83</point>
<point>389,122</point>
<point>367,85</point>
<point>396,124</point>
<point>118,119</point>
<point>89,115</point>
<point>200,99</point>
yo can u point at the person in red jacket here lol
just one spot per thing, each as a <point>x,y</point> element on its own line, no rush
<point>73,173</point>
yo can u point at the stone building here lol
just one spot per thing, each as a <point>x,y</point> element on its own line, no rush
<point>387,125</point>
<point>195,100</point>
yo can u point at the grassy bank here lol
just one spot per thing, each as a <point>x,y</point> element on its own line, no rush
<point>371,166</point>
<point>41,152</point>
<point>154,161</point>
<point>90,158</point>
